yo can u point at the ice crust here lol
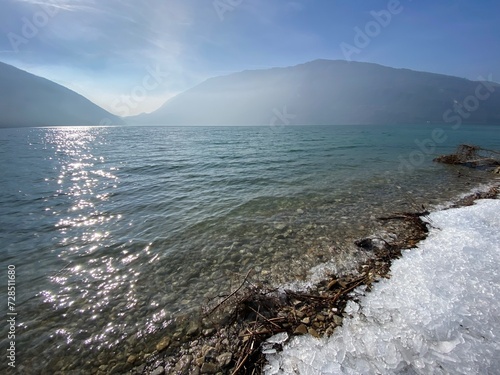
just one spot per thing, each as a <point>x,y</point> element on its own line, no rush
<point>439,313</point>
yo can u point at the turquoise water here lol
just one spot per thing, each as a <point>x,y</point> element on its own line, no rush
<point>117,231</point>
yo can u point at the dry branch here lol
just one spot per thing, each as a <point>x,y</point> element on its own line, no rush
<point>472,156</point>
<point>232,294</point>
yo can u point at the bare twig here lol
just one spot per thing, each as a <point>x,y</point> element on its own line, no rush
<point>241,362</point>
<point>262,316</point>
<point>232,294</point>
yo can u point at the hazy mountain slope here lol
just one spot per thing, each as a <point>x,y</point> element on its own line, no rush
<point>326,92</point>
<point>28,100</point>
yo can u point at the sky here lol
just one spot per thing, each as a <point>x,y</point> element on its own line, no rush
<point>141,53</point>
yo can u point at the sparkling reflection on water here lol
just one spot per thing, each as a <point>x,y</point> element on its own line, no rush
<point>117,231</point>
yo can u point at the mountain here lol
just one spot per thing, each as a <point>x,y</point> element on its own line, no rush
<point>28,100</point>
<point>330,92</point>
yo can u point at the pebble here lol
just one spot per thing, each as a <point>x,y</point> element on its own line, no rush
<point>102,357</point>
<point>208,368</point>
<point>300,330</point>
<point>131,359</point>
<point>140,369</point>
<point>207,351</point>
<point>163,344</point>
<point>280,226</point>
<point>193,328</point>
<point>208,332</point>
<point>184,363</point>
<point>118,368</point>
<point>158,371</point>
<point>224,359</point>
<point>337,320</point>
<point>313,332</point>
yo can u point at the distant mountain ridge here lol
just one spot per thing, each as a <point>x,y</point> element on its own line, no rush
<point>330,92</point>
<point>28,100</point>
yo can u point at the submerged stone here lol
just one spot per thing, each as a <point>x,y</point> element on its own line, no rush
<point>163,344</point>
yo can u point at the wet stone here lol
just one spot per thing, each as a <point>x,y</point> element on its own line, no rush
<point>280,226</point>
<point>158,371</point>
<point>210,354</point>
<point>224,359</point>
<point>208,331</point>
<point>131,359</point>
<point>337,320</point>
<point>300,330</point>
<point>208,368</point>
<point>102,357</point>
<point>140,369</point>
<point>118,368</point>
<point>193,328</point>
<point>163,344</point>
<point>313,332</point>
<point>184,363</point>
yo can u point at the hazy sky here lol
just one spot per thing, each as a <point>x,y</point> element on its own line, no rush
<point>144,52</point>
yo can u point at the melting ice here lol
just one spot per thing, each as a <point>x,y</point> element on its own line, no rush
<point>439,313</point>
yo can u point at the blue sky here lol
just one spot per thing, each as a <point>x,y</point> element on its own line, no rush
<point>115,50</point>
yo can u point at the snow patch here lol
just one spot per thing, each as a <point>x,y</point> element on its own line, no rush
<point>439,313</point>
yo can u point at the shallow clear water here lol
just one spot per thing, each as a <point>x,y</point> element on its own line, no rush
<point>115,231</point>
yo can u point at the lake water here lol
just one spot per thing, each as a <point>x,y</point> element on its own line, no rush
<point>116,232</point>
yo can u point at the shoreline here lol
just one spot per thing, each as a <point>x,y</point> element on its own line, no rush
<point>438,313</point>
<point>228,339</point>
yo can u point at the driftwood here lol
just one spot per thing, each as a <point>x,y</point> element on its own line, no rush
<point>405,215</point>
<point>492,193</point>
<point>472,156</point>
